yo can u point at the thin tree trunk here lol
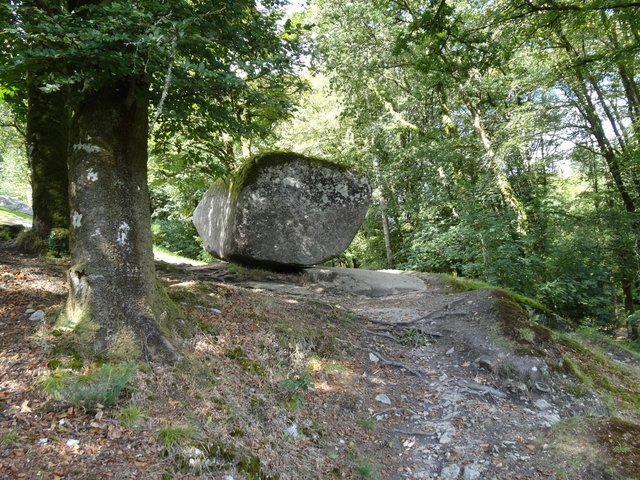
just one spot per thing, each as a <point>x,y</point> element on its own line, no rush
<point>47,139</point>
<point>383,213</point>
<point>114,300</point>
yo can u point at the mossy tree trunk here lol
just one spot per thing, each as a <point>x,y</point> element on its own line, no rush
<point>47,139</point>
<point>114,302</point>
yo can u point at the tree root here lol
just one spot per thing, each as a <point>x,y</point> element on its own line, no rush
<point>393,363</point>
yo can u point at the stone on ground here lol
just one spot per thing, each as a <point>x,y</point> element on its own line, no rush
<point>283,210</point>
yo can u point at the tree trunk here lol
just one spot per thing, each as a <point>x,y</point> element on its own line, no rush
<point>47,146</point>
<point>383,213</point>
<point>115,302</point>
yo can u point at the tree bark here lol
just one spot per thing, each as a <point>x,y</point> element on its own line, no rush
<point>47,140</point>
<point>115,302</point>
<point>383,213</point>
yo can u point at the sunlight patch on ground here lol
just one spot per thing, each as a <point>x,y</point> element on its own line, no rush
<point>170,257</point>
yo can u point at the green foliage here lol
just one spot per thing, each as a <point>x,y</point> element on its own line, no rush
<point>470,135</point>
<point>10,232</point>
<point>367,423</point>
<point>129,415</point>
<point>245,362</point>
<point>363,467</point>
<point>295,386</point>
<point>58,242</point>
<point>14,169</point>
<point>177,235</point>
<point>9,437</point>
<point>173,435</point>
<point>100,386</point>
<point>413,337</point>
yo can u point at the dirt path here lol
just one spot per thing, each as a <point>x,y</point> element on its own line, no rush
<point>453,400</point>
<point>413,380</point>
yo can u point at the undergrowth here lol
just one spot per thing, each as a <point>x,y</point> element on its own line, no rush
<point>102,386</point>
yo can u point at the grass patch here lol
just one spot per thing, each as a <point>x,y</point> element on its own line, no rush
<point>173,435</point>
<point>171,257</point>
<point>101,386</point>
<point>595,447</point>
<point>9,437</point>
<point>595,370</point>
<point>7,214</point>
<point>606,342</point>
<point>363,467</point>
<point>129,415</point>
<point>367,423</point>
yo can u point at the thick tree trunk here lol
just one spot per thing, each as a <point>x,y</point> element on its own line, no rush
<point>47,147</point>
<point>114,300</point>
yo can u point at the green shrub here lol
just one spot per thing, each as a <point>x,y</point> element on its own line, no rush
<point>58,242</point>
<point>171,436</point>
<point>129,415</point>
<point>295,386</point>
<point>103,386</point>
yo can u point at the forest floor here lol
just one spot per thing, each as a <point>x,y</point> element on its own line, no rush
<point>324,374</point>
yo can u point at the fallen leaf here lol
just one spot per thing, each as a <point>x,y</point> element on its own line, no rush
<point>24,408</point>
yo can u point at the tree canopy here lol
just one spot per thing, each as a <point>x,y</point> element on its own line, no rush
<point>502,137</point>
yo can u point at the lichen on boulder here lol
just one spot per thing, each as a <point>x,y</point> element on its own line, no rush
<point>283,210</point>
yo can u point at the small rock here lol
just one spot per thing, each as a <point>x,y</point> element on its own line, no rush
<point>542,404</point>
<point>42,441</point>
<point>450,351</point>
<point>72,442</point>
<point>470,473</point>
<point>486,363</point>
<point>193,453</point>
<point>293,431</point>
<point>29,311</point>
<point>228,477</point>
<point>450,472</point>
<point>37,316</point>
<point>447,435</point>
<point>541,387</point>
<point>550,418</point>
<point>382,398</point>
<point>215,310</point>
<point>373,358</point>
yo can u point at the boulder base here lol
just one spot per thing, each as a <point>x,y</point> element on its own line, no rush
<point>283,210</point>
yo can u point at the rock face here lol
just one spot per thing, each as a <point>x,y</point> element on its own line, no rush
<point>283,210</point>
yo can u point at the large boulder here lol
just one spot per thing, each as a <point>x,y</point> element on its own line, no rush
<point>283,210</point>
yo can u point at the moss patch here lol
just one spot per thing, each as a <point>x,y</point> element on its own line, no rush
<point>603,375</point>
<point>124,346</point>
<point>461,284</point>
<point>250,169</point>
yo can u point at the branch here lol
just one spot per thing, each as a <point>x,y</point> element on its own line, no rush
<point>165,89</point>
<point>14,125</point>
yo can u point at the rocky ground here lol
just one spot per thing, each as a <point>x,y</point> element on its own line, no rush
<point>320,375</point>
